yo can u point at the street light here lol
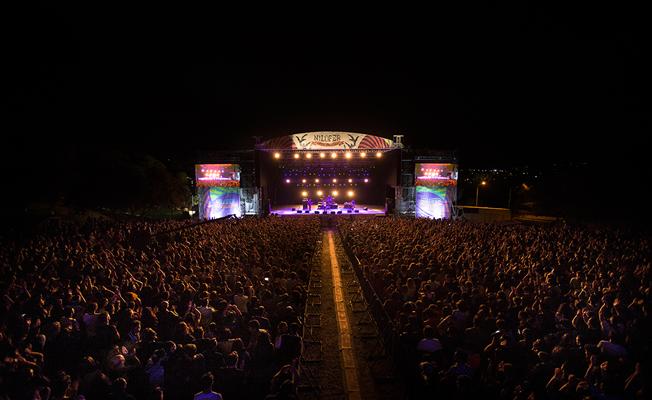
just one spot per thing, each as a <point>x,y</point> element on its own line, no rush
<point>477,188</point>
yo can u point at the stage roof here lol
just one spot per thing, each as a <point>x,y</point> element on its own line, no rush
<point>327,141</point>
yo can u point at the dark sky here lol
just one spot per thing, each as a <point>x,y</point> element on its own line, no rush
<point>502,85</point>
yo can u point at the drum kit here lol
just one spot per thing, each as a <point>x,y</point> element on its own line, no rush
<point>328,203</point>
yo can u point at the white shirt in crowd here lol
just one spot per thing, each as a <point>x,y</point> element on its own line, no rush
<point>241,302</point>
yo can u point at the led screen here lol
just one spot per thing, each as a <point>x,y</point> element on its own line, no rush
<point>218,186</point>
<point>217,175</point>
<point>436,190</point>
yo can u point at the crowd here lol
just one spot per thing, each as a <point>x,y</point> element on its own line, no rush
<point>512,311</point>
<point>144,310</point>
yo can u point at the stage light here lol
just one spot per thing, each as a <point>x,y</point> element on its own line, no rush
<point>350,193</point>
<point>366,180</point>
<point>319,193</point>
<point>308,155</point>
<point>296,155</point>
<point>335,193</point>
<point>379,154</point>
<point>334,180</point>
<point>363,154</point>
<point>277,155</point>
<point>304,194</point>
<point>350,180</point>
<point>483,183</point>
<point>322,155</point>
<point>333,155</point>
<point>287,181</point>
<point>348,154</point>
<point>303,181</point>
<point>316,180</point>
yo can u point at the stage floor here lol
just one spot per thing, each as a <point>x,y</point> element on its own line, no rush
<point>371,210</point>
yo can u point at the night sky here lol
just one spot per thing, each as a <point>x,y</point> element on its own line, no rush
<point>502,86</point>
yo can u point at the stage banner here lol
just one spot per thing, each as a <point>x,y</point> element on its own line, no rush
<point>338,141</point>
<point>218,202</point>
<point>436,190</point>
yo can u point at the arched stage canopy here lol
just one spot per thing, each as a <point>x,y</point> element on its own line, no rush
<point>327,141</point>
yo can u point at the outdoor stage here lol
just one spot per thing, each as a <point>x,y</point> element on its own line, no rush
<point>371,210</point>
<point>327,166</point>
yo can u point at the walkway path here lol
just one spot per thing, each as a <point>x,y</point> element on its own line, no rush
<point>345,342</point>
<point>349,367</point>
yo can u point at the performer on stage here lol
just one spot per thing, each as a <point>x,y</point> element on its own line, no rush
<point>329,202</point>
<point>309,204</point>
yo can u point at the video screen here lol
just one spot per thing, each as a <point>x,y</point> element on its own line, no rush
<point>436,174</point>
<point>436,190</point>
<point>218,186</point>
<point>217,175</point>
